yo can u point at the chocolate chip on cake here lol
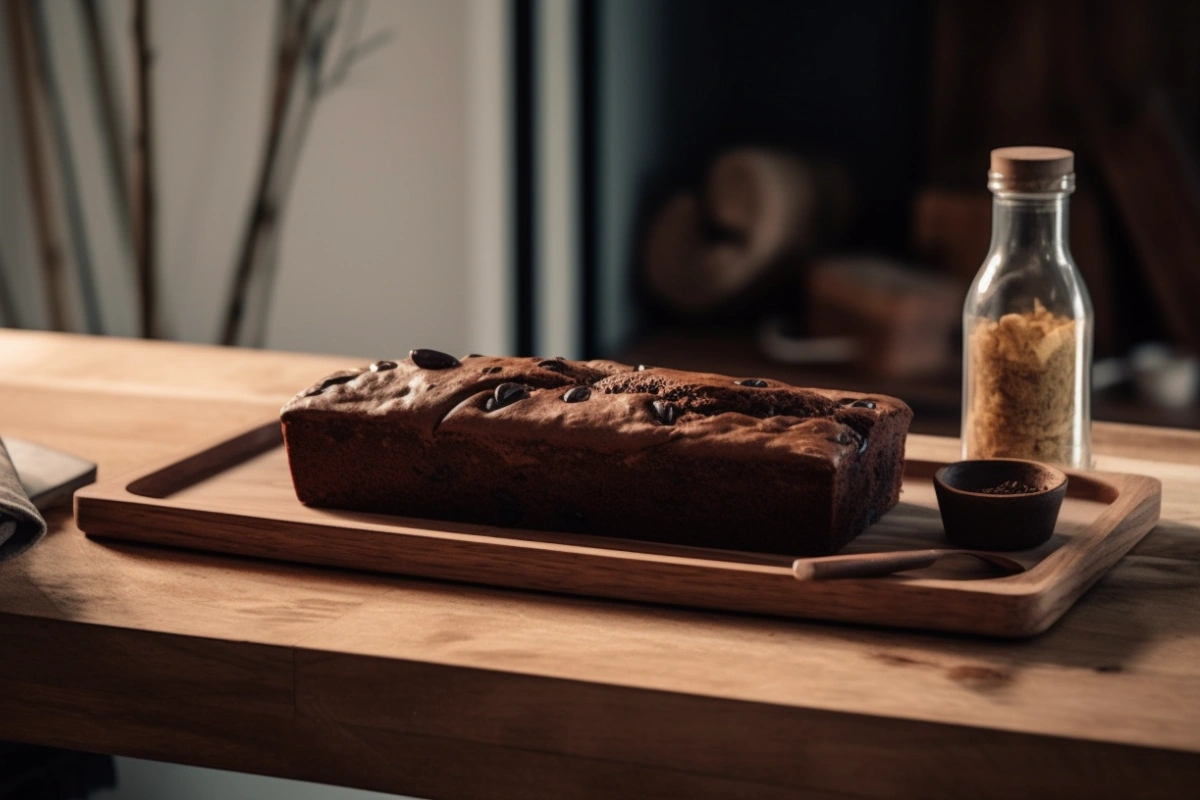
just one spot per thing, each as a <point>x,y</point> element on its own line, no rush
<point>665,412</point>
<point>553,365</point>
<point>858,428</point>
<point>383,366</point>
<point>863,404</point>
<point>753,383</point>
<point>433,359</point>
<point>474,355</point>
<point>843,437</point>
<point>492,370</point>
<point>578,394</point>
<point>334,381</point>
<point>506,394</point>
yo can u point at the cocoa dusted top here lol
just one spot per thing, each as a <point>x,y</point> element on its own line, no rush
<point>608,406</point>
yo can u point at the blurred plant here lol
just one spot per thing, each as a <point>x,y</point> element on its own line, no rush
<point>39,96</point>
<point>108,115</point>
<point>145,200</point>
<point>306,68</point>
<point>30,98</point>
<point>8,311</point>
<point>305,71</point>
<point>67,175</point>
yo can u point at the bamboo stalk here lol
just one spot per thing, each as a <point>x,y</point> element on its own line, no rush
<point>354,47</point>
<point>307,30</point>
<point>296,24</point>
<point>111,128</point>
<point>269,234</point>
<point>8,309</point>
<point>299,123</point>
<point>45,226</point>
<point>144,210</point>
<point>76,223</point>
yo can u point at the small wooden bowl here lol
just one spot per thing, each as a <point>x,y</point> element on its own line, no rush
<point>978,512</point>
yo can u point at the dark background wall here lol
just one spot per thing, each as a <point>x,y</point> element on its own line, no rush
<point>677,82</point>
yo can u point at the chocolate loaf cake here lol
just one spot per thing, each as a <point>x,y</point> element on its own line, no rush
<point>600,448</point>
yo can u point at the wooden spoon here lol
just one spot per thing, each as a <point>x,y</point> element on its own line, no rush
<point>873,565</point>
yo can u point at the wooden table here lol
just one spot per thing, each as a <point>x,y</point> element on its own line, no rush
<point>450,691</point>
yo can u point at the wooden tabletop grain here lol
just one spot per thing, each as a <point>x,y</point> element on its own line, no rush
<point>452,691</point>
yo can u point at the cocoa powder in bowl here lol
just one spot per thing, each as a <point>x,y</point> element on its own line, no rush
<point>985,504</point>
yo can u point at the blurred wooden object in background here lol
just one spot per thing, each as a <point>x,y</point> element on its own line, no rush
<point>953,227</point>
<point>1021,75</point>
<point>760,211</point>
<point>1155,179</point>
<point>1075,74</point>
<point>904,320</point>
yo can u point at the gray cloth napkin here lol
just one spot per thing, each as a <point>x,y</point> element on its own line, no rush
<point>20,523</point>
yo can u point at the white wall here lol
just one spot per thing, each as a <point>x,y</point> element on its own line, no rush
<point>380,227</point>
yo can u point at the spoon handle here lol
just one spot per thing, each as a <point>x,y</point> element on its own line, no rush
<point>863,565</point>
<point>873,565</point>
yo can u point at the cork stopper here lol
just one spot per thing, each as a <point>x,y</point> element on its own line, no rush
<point>1032,169</point>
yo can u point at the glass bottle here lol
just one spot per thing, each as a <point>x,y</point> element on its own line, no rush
<point>1028,321</point>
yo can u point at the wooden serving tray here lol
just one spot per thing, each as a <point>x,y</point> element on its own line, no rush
<point>236,497</point>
